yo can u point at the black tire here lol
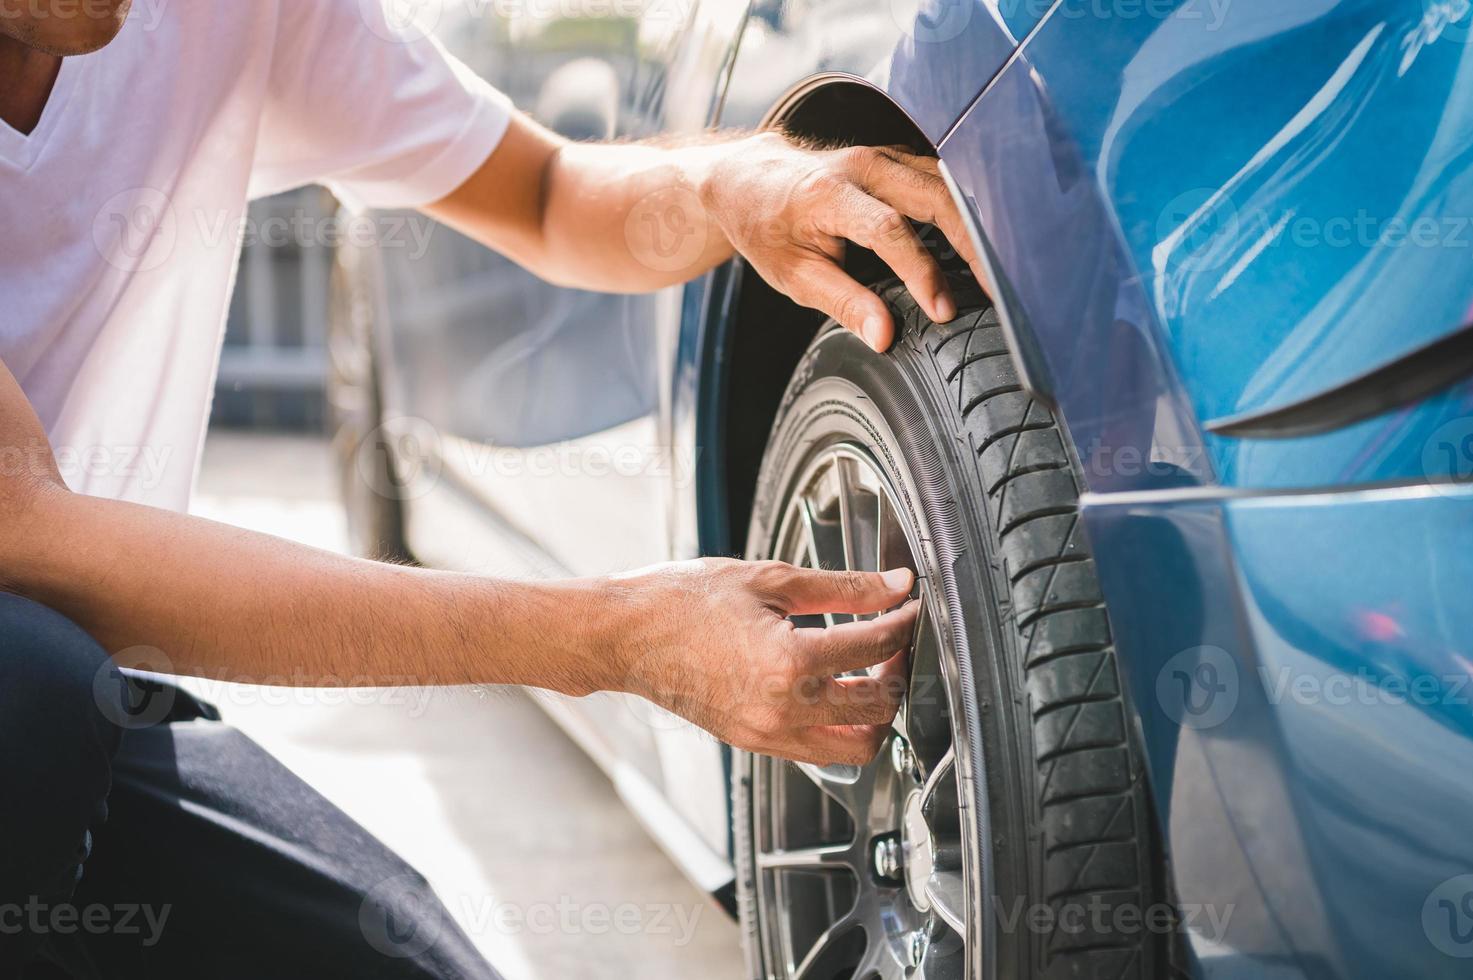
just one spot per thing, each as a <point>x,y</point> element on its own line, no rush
<point>371,492</point>
<point>1066,814</point>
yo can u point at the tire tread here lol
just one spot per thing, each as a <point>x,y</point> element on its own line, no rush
<point>1092,804</point>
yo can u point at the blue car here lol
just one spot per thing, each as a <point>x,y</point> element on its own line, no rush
<point>1186,483</point>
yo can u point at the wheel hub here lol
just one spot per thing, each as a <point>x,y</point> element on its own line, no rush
<point>918,851</point>
<point>860,871</point>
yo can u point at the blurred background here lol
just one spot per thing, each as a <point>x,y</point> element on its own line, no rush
<point>521,834</point>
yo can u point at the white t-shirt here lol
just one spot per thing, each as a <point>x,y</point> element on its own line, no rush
<point>121,213</point>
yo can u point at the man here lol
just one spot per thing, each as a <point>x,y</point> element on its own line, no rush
<point>127,145</point>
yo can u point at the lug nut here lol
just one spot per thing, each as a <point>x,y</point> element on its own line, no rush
<point>887,858</point>
<point>918,946</point>
<point>901,757</point>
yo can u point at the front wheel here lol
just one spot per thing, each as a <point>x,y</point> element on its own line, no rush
<point>1006,822</point>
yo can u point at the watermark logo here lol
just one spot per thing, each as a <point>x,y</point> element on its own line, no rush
<point>1196,229</point>
<point>1447,457</point>
<point>932,21</point>
<point>38,918</point>
<point>134,703</point>
<point>1198,688</point>
<point>401,21</point>
<point>667,230</point>
<point>136,230</point>
<point>400,917</point>
<point>401,459</point>
<point>1447,917</point>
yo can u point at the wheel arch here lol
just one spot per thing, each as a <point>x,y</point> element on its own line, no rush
<point>759,337</point>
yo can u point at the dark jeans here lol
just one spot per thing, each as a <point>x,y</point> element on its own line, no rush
<point>142,838</point>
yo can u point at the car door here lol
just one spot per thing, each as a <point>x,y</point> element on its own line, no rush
<point>546,410</point>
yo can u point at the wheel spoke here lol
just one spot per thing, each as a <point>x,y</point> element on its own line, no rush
<point>946,763</point>
<point>947,891</point>
<point>848,785</point>
<point>821,945</point>
<point>925,718</point>
<point>892,550</point>
<point>859,519</point>
<point>825,857</point>
<point>825,544</point>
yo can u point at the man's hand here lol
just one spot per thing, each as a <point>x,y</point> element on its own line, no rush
<point>710,641</point>
<point>789,210</point>
<point>630,218</point>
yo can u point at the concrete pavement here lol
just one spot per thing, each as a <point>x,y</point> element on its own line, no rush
<point>522,837</point>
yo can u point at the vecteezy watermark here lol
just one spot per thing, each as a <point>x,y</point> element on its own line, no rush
<point>141,229</point>
<point>408,21</point>
<point>1198,688</point>
<point>130,701</point>
<point>136,229</point>
<point>1100,917</point>
<point>1204,229</point>
<point>1211,14</point>
<point>405,457</point>
<point>668,230</point>
<point>1447,457</point>
<point>146,14</point>
<point>1366,688</point>
<point>1447,917</point>
<point>401,918</point>
<point>35,458</point>
<point>142,694</point>
<point>37,918</point>
<point>932,21</point>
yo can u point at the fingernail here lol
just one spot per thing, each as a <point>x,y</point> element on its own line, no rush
<point>945,308</point>
<point>874,329</point>
<point>899,579</point>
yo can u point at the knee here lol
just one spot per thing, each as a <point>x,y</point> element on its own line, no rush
<point>58,687</point>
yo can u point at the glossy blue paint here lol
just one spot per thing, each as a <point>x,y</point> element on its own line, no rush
<point>1163,217</point>
<point>1288,189</point>
<point>1305,688</point>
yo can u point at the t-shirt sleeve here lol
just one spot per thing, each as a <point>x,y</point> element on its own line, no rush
<point>380,113</point>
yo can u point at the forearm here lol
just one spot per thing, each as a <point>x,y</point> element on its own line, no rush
<point>167,592</point>
<point>632,218</point>
<point>638,217</point>
<point>622,218</point>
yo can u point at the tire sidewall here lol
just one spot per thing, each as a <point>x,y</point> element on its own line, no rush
<point>843,392</point>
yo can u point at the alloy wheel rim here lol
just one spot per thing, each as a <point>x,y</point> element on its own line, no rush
<point>862,872</point>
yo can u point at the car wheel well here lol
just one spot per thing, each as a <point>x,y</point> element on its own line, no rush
<point>769,332</point>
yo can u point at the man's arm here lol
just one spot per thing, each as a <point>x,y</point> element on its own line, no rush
<point>638,217</point>
<point>709,640</point>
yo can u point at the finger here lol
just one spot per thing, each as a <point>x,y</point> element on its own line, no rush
<point>862,643</point>
<point>811,591</point>
<point>827,745</point>
<point>914,185</point>
<point>820,284</point>
<point>863,700</point>
<point>882,229</point>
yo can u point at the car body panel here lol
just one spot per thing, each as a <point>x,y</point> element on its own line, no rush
<point>1232,177</point>
<point>1325,825</point>
<point>1306,701</point>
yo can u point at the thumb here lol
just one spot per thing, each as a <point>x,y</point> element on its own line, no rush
<point>810,591</point>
